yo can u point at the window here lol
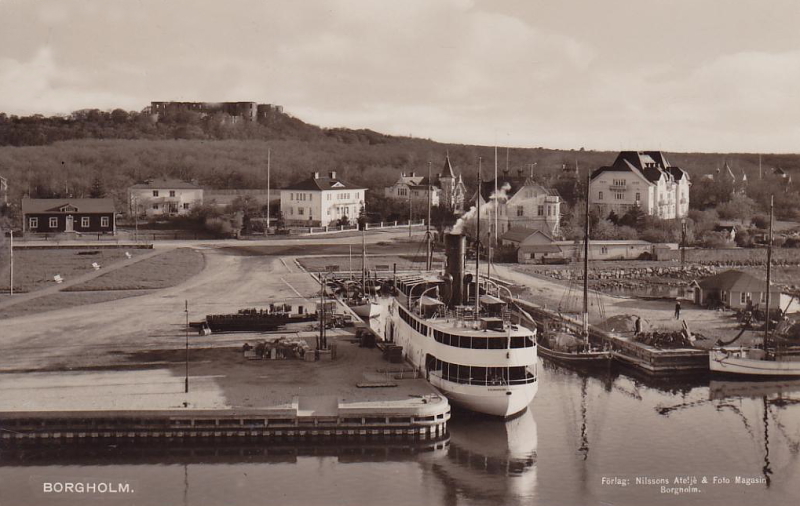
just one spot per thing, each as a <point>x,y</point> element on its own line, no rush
<point>291,210</point>
<point>619,182</point>
<point>603,250</point>
<point>619,196</point>
<point>33,223</point>
<point>743,297</point>
<point>638,196</point>
<point>763,297</point>
<point>155,206</point>
<point>540,211</point>
<point>300,211</point>
<point>104,221</point>
<point>155,193</point>
<point>172,193</point>
<point>600,197</point>
<point>53,222</point>
<point>520,211</point>
<point>291,196</point>
<point>85,221</point>
<point>186,205</point>
<point>549,211</point>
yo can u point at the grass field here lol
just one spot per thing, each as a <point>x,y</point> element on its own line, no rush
<point>64,300</point>
<point>161,271</point>
<point>35,268</point>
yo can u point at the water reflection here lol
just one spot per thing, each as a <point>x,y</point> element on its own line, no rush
<point>490,459</point>
<point>775,398</point>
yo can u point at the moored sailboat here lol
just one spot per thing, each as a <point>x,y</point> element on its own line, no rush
<point>766,360</point>
<point>584,355</point>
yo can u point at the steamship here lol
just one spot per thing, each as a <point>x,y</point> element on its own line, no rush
<point>462,338</point>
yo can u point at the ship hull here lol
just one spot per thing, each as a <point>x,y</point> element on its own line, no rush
<point>497,399</point>
<point>503,402</point>
<point>750,362</point>
<point>588,359</point>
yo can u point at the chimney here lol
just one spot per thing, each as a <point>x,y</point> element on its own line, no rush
<point>315,175</point>
<point>413,174</point>
<point>332,174</point>
<point>455,249</point>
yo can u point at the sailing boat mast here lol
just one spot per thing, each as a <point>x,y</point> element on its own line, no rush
<point>364,262</point>
<point>429,253</point>
<point>769,269</point>
<point>586,266</point>
<point>478,243</point>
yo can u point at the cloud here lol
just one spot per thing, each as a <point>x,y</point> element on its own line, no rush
<point>534,74</point>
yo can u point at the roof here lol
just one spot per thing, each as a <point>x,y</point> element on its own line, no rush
<point>518,234</point>
<point>30,206</point>
<point>652,165</point>
<point>734,281</point>
<point>512,184</point>
<point>165,184</point>
<point>323,184</point>
<point>447,170</point>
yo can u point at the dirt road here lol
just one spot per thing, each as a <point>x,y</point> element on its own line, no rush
<point>91,335</point>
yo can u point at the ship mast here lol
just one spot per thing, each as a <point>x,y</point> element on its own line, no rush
<point>769,268</point>
<point>586,267</point>
<point>364,263</point>
<point>429,255</point>
<point>478,244</point>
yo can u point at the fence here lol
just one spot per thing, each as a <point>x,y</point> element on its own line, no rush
<point>367,226</point>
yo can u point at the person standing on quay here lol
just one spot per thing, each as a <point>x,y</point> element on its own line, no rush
<point>677,310</point>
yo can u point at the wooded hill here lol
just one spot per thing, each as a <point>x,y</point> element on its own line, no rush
<point>91,152</point>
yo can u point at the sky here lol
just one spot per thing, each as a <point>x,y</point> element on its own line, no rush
<point>675,75</point>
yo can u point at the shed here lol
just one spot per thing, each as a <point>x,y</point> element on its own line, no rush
<point>736,289</point>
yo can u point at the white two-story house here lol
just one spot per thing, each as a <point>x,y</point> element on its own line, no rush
<point>521,203</point>
<point>164,197</point>
<point>640,179</point>
<point>320,201</point>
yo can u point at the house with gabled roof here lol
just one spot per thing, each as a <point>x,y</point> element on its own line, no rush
<point>51,216</point>
<point>643,179</point>
<point>446,189</point>
<point>319,201</point>
<point>415,188</point>
<point>164,197</point>
<point>738,289</point>
<point>520,202</point>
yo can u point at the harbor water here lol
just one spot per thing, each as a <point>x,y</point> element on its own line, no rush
<point>607,439</point>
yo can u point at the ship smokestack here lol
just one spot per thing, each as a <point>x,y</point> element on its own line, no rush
<point>455,250</point>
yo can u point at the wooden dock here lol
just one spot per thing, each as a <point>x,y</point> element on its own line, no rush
<point>644,357</point>
<point>309,418</point>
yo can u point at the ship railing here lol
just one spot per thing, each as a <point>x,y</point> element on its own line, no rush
<point>485,382</point>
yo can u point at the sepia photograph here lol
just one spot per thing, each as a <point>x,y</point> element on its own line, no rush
<point>390,253</point>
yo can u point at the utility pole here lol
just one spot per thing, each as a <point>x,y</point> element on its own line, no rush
<point>11,265</point>
<point>268,199</point>
<point>683,243</point>
<point>186,384</point>
<point>410,211</point>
